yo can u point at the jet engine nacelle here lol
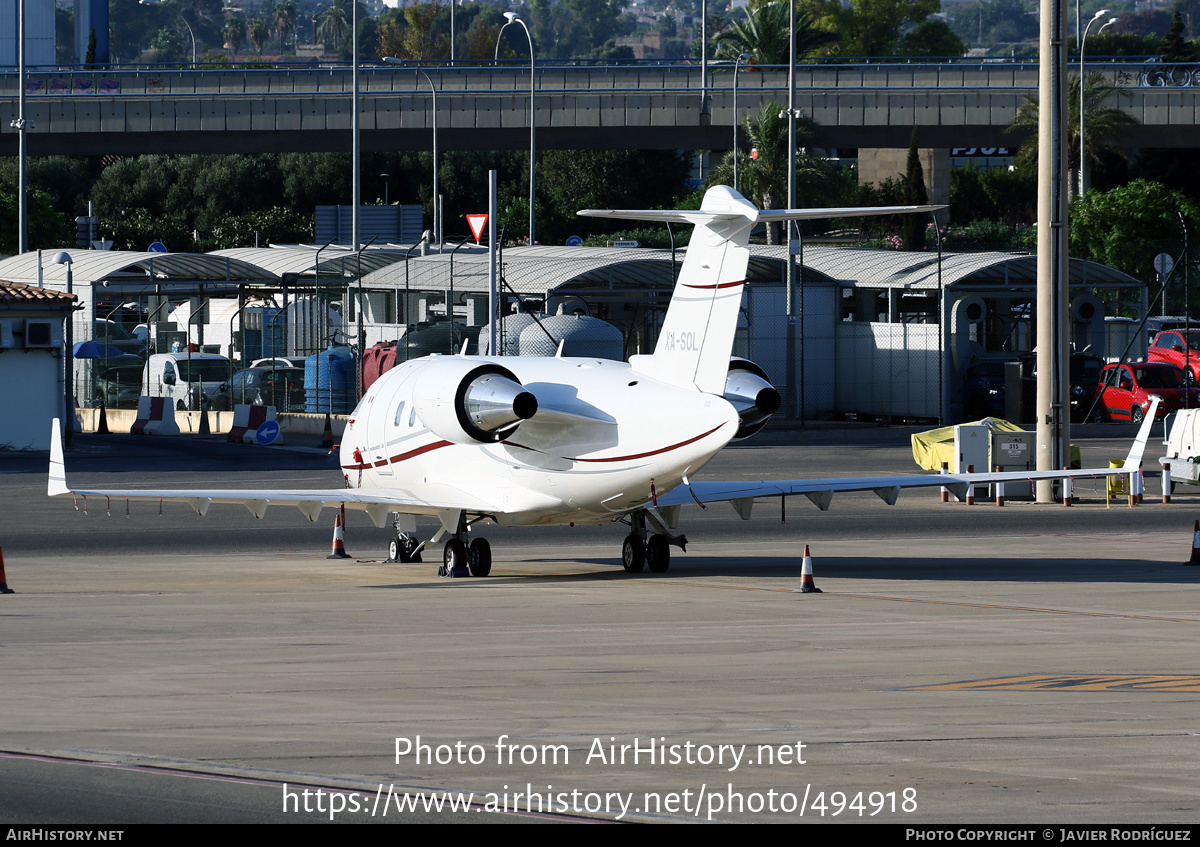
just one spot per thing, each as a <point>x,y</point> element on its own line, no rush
<point>752,395</point>
<point>465,402</point>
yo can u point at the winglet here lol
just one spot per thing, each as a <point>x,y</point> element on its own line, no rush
<point>57,483</point>
<point>1134,460</point>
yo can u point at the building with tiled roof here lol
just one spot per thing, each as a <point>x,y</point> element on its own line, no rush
<point>32,351</point>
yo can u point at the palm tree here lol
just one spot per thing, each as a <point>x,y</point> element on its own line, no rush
<point>234,33</point>
<point>764,35</point>
<point>259,32</point>
<point>1103,129</point>
<point>333,21</point>
<point>762,175</point>
<point>285,20</point>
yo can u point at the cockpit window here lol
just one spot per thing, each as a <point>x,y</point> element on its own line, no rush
<point>412,416</point>
<point>399,413</point>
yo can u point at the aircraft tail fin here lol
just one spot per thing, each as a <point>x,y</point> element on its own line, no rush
<point>57,482</point>
<point>1138,449</point>
<point>696,339</point>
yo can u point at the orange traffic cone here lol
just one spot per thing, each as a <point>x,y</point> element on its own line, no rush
<point>339,541</point>
<point>4,589</point>
<point>1195,560</point>
<point>807,586</point>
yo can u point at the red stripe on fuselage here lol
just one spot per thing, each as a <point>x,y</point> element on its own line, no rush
<point>652,452</point>
<point>717,285</point>
<point>398,458</point>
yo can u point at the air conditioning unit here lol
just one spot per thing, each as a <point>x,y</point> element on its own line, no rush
<point>43,334</point>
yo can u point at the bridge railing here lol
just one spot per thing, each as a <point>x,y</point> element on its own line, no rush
<point>514,78</point>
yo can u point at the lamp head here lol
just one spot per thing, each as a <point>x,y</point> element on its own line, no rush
<point>62,257</point>
<point>513,16</point>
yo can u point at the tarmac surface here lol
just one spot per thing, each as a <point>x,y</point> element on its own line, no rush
<point>1025,664</point>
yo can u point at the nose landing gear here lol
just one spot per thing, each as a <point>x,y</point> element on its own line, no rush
<point>653,552</point>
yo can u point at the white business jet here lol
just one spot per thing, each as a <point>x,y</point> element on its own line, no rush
<point>523,441</point>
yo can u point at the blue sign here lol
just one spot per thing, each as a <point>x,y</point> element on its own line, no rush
<point>574,241</point>
<point>267,433</point>
<point>157,247</point>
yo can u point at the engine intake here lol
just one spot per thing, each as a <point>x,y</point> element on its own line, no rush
<point>463,402</point>
<point>752,395</point>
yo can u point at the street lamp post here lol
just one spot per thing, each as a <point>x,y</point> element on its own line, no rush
<point>744,57</point>
<point>437,229</point>
<point>64,258</point>
<point>1082,90</point>
<point>513,17</point>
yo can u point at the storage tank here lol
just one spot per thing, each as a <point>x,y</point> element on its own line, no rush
<point>330,382</point>
<point>510,341</point>
<point>581,337</point>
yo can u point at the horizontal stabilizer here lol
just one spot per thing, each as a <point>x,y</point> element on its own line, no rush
<point>708,215</point>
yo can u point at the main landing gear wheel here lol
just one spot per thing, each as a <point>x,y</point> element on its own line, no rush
<point>480,557</point>
<point>403,549</point>
<point>454,559</point>
<point>633,554</point>
<point>658,554</point>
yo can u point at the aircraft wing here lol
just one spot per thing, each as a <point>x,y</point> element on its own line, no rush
<point>377,503</point>
<point>821,490</point>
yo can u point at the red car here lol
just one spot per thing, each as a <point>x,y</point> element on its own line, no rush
<point>1170,346</point>
<point>1125,390</point>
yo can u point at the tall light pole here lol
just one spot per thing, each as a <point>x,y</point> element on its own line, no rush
<point>513,17</point>
<point>1053,420</point>
<point>356,155</point>
<point>744,57</point>
<point>795,311</point>
<point>64,258</point>
<point>21,127</point>
<point>1083,187</point>
<point>437,227</point>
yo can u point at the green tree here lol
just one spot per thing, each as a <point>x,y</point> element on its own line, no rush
<point>333,22</point>
<point>870,27</point>
<point>763,35</point>
<point>932,39</point>
<point>1104,124</point>
<point>913,226</point>
<point>259,31</point>
<point>997,22</point>
<point>284,18</point>
<point>234,33</point>
<point>569,28</point>
<point>570,180</point>
<point>763,175</point>
<point>1176,48</point>
<point>414,34</point>
<point>1125,227</point>
<point>45,228</point>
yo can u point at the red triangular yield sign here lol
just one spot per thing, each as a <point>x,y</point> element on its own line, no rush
<point>477,223</point>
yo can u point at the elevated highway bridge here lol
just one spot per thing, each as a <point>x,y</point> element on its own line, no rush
<point>142,110</point>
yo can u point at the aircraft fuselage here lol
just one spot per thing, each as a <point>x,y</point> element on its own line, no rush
<point>605,439</point>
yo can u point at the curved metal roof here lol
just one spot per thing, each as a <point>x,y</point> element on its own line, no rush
<point>533,270</point>
<point>303,259</point>
<point>95,266</point>
<point>899,269</point>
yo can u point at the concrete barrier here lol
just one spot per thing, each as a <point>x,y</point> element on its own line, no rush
<point>155,416</point>
<point>121,420</point>
<point>248,420</point>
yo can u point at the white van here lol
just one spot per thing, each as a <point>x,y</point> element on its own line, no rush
<point>183,376</point>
